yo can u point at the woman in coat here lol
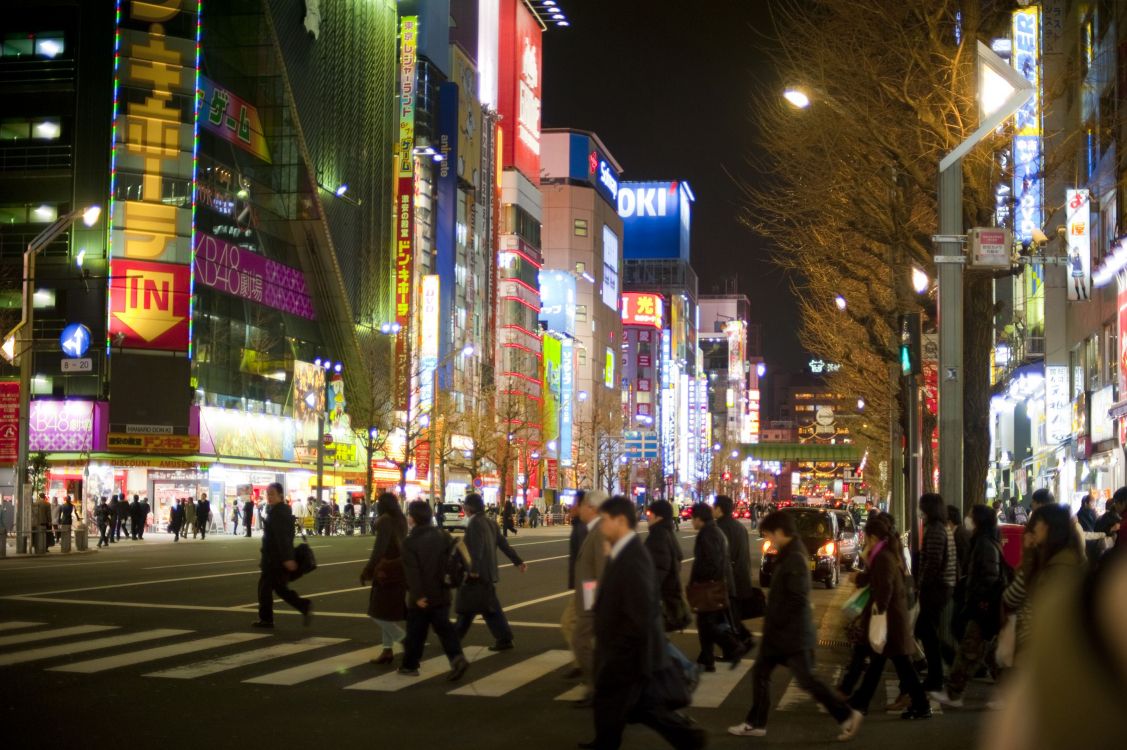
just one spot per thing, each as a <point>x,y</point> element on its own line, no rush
<point>508,514</point>
<point>387,602</point>
<point>885,576</point>
<point>712,564</point>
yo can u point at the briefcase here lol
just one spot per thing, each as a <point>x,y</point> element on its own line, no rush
<point>707,596</point>
<point>474,597</point>
<point>306,562</point>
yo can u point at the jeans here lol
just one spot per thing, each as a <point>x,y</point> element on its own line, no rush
<point>277,582</point>
<point>932,603</point>
<point>420,620</point>
<point>909,682</point>
<point>682,662</point>
<point>103,539</point>
<point>496,621</point>
<point>801,665</point>
<point>970,656</point>
<point>391,632</point>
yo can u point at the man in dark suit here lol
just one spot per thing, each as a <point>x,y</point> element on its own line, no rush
<point>629,642</point>
<point>135,522</point>
<point>428,600</point>
<point>203,515</point>
<point>739,551</point>
<point>277,561</point>
<point>248,516</point>
<point>788,635</point>
<point>483,539</point>
<point>143,514</point>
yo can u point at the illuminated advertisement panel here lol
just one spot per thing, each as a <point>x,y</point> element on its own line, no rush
<point>668,414</point>
<point>518,87</point>
<point>1078,217</point>
<point>428,340</point>
<point>567,387</point>
<point>610,268</point>
<point>553,382</point>
<point>232,119</point>
<point>557,301</point>
<point>405,208</point>
<point>1028,182</point>
<point>608,368</point>
<point>642,309</point>
<point>156,60</point>
<point>656,217</point>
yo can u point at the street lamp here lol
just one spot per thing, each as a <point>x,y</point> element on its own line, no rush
<point>797,97</point>
<point>839,301</point>
<point>322,419</point>
<point>89,216</point>
<point>920,281</point>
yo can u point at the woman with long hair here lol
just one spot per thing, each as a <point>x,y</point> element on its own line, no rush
<point>387,602</point>
<point>936,580</point>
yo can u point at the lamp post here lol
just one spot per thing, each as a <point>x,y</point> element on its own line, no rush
<point>322,420</point>
<point>25,330</point>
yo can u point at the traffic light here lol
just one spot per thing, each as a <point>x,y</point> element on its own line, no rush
<point>909,344</point>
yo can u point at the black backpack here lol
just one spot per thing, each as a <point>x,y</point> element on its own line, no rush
<point>457,563</point>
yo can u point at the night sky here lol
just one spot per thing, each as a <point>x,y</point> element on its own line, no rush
<point>666,89</point>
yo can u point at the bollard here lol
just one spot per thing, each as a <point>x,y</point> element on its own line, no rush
<point>64,539</point>
<point>81,543</point>
<point>39,541</point>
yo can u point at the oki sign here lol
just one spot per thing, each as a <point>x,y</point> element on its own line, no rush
<point>657,218</point>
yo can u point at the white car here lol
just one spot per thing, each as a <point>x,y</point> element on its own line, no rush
<point>453,516</point>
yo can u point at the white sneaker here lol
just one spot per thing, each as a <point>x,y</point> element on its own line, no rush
<point>996,704</point>
<point>851,726</point>
<point>944,699</point>
<point>747,730</point>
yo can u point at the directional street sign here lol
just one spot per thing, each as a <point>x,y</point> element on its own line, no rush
<point>85,364</point>
<point>75,340</point>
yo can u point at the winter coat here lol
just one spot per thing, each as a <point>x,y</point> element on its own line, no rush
<point>575,542</point>
<point>424,562</point>
<point>277,537</point>
<point>983,586</point>
<point>589,565</point>
<point>662,545</point>
<point>710,558</point>
<point>888,593</point>
<point>739,551</point>
<point>388,597</point>
<point>788,626</point>
<point>483,539</point>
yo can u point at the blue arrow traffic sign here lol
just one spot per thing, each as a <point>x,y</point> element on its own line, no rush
<point>75,340</point>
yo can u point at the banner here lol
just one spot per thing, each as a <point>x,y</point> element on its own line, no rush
<point>232,119</point>
<point>1078,217</point>
<point>150,305</point>
<point>241,273</point>
<point>9,422</point>
<point>405,209</point>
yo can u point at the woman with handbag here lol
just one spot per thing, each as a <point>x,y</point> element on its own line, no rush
<point>387,602</point>
<point>709,583</point>
<point>886,621</point>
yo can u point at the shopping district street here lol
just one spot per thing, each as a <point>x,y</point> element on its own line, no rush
<point>561,373</point>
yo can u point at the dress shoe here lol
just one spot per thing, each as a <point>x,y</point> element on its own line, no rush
<point>738,655</point>
<point>573,674</point>
<point>386,657</point>
<point>458,669</point>
<point>262,624</point>
<point>902,702</point>
<point>307,614</point>
<point>586,701</point>
<point>408,672</point>
<point>501,646</point>
<point>913,714</point>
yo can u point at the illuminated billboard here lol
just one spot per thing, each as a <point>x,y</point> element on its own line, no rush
<point>552,352</point>
<point>518,87</point>
<point>656,217</point>
<point>405,207</point>
<point>567,401</point>
<point>610,267</point>
<point>428,340</point>
<point>557,301</point>
<point>1028,180</point>
<point>589,163</point>
<point>642,309</point>
<point>1078,216</point>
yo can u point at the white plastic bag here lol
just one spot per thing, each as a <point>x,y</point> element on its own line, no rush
<point>878,631</point>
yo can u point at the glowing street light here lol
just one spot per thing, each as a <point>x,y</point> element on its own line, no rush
<point>860,404</point>
<point>920,281</point>
<point>797,97</point>
<point>839,301</point>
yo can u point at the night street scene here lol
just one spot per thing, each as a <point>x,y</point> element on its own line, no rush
<point>551,374</point>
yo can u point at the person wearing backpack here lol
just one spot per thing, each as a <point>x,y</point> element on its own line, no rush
<point>386,604</point>
<point>426,552</point>
<point>978,619</point>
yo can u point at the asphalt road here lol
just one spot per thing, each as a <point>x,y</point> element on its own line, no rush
<point>149,642</point>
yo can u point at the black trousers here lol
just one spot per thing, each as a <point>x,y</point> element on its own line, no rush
<point>909,682</point>
<point>801,666</point>
<point>419,622</point>
<point>928,625</point>
<point>617,705</point>
<point>272,582</point>
<point>103,531</point>
<point>715,629</point>
<point>203,529</point>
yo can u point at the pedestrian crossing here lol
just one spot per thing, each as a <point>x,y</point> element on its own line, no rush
<point>255,659</point>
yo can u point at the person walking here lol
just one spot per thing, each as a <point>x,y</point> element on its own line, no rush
<point>712,566</point>
<point>66,513</point>
<point>176,519</point>
<point>885,575</point>
<point>122,518</point>
<point>248,516</point>
<point>134,510</point>
<point>102,518</point>
<point>277,562</point>
<point>387,601</point>
<point>507,516</point>
<point>935,581</point>
<point>363,516</point>
<point>574,544</point>
<point>661,542</point>
<point>533,517</point>
<point>56,513</point>
<point>203,516</point>
<point>189,508</point>
<point>788,635</point>
<point>977,621</point>
<point>743,595</point>
<point>425,550</point>
<point>112,518</point>
<point>143,517</point>
<point>483,539</point>
<point>629,642</point>
<point>589,566</point>
<point>234,517</point>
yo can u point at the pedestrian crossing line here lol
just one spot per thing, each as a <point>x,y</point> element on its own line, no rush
<point>517,676</point>
<point>244,658</point>
<point>130,658</point>
<point>44,635</point>
<point>794,695</point>
<point>320,668</point>
<point>16,625</point>
<point>715,687</point>
<point>392,682</point>
<point>892,689</point>
<point>66,649</point>
<point>576,693</point>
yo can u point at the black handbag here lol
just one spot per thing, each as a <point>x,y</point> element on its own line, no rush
<point>306,562</point>
<point>676,616</point>
<point>474,597</point>
<point>753,606</point>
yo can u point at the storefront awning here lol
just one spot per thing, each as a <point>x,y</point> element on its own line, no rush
<point>801,452</point>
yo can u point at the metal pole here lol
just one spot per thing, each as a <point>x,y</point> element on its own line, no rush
<point>321,441</point>
<point>435,449</point>
<point>27,341</point>
<point>949,260</point>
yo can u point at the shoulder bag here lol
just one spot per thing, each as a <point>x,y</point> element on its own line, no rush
<point>707,596</point>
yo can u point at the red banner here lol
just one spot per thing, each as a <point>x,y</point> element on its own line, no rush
<point>404,272</point>
<point>422,460</point>
<point>9,422</point>
<point>149,305</point>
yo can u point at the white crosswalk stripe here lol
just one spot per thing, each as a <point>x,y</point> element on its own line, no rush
<point>516,676</point>
<point>131,658</point>
<point>574,694</point>
<point>66,649</point>
<point>313,670</point>
<point>715,686</point>
<point>244,658</point>
<point>392,682</point>
<point>17,625</point>
<point>45,635</point>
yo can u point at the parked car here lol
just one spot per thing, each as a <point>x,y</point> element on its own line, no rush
<point>453,516</point>
<point>830,538</point>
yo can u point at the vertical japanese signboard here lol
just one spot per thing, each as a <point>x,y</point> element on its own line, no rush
<point>405,208</point>
<point>1077,214</point>
<point>567,387</point>
<point>518,93</point>
<point>1028,182</point>
<point>428,341</point>
<point>9,421</point>
<point>153,174</point>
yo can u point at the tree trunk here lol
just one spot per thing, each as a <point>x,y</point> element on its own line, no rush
<point>978,340</point>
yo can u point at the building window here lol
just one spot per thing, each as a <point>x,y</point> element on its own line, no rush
<point>39,128</point>
<point>27,213</point>
<point>582,358</point>
<point>42,43</point>
<point>580,227</point>
<point>581,313</point>
<point>580,267</point>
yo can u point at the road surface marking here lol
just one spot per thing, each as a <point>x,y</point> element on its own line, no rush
<point>44,635</point>
<point>546,541</point>
<point>391,682</point>
<point>189,565</point>
<point>66,649</point>
<point>546,559</point>
<point>16,625</point>
<point>576,693</point>
<point>715,686</point>
<point>530,602</point>
<point>130,658</point>
<point>244,658</point>
<point>67,565</point>
<point>516,676</point>
<point>315,669</point>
